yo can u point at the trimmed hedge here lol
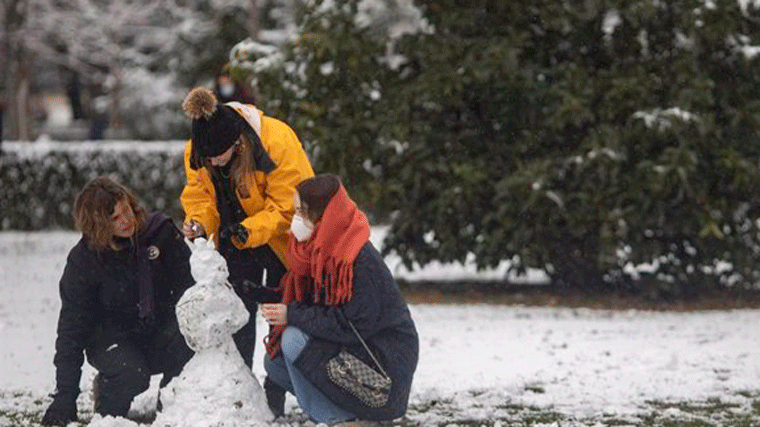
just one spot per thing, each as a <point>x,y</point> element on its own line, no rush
<point>41,179</point>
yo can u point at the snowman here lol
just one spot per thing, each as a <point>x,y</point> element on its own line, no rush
<point>215,388</point>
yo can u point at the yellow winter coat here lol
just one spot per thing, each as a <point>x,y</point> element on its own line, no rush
<point>269,205</point>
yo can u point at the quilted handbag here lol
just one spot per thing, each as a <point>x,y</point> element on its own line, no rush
<point>348,372</point>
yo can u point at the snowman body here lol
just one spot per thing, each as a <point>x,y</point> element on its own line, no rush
<point>215,388</point>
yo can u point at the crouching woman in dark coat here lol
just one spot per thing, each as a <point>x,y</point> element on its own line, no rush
<point>337,281</point>
<point>118,292</point>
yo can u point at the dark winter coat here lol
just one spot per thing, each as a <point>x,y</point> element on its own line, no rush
<point>100,292</point>
<point>380,314</point>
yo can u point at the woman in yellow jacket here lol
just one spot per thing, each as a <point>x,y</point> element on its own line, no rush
<point>242,168</point>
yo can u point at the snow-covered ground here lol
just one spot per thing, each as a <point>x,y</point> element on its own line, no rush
<point>477,362</point>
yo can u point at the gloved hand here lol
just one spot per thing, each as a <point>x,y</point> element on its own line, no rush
<point>260,293</point>
<point>237,230</point>
<point>63,410</point>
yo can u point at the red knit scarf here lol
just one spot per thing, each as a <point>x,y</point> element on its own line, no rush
<point>325,260</point>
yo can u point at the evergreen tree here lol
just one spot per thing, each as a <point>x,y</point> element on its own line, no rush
<point>583,139</point>
<point>335,86</point>
<point>587,139</point>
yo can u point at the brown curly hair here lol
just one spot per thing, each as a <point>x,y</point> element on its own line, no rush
<point>94,206</point>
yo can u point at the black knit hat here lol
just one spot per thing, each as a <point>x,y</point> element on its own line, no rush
<point>215,127</point>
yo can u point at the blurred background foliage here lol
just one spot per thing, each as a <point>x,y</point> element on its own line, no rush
<point>612,144</point>
<point>46,181</point>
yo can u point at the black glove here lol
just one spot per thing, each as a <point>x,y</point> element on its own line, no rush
<point>63,410</point>
<point>237,230</point>
<point>260,293</point>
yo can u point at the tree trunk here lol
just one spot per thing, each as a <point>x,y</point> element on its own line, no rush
<point>16,71</point>
<point>116,112</point>
<point>575,261</point>
<point>19,126</point>
<point>23,126</point>
<point>253,20</point>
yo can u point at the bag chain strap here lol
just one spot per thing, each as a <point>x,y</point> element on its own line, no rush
<point>366,347</point>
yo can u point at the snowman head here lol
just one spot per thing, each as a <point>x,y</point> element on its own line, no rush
<point>206,264</point>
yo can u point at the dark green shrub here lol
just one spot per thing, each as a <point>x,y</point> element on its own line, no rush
<point>584,139</point>
<point>40,184</point>
<point>587,139</point>
<point>334,88</point>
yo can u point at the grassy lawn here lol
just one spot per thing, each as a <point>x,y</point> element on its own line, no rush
<point>468,292</point>
<point>737,411</point>
<point>742,410</point>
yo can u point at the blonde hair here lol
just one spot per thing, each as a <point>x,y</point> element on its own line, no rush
<point>94,206</point>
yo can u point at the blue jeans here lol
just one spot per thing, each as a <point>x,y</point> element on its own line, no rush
<point>282,371</point>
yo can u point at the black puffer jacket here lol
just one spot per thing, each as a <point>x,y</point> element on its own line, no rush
<point>380,314</point>
<point>100,293</point>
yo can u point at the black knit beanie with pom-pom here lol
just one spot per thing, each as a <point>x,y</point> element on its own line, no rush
<point>215,127</point>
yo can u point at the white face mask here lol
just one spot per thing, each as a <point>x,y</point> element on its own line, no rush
<point>301,228</point>
<point>227,89</point>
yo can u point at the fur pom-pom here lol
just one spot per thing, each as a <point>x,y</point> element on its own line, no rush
<point>200,102</point>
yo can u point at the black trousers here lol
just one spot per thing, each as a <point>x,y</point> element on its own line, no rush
<point>250,265</point>
<point>125,364</point>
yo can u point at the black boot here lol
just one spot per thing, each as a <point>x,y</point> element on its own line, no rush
<point>275,397</point>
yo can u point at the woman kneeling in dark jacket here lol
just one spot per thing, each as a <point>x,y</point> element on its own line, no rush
<point>119,288</point>
<point>337,281</point>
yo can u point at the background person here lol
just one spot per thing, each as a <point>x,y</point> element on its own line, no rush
<point>242,168</point>
<point>227,89</point>
<point>118,291</point>
<point>2,108</point>
<point>336,276</point>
